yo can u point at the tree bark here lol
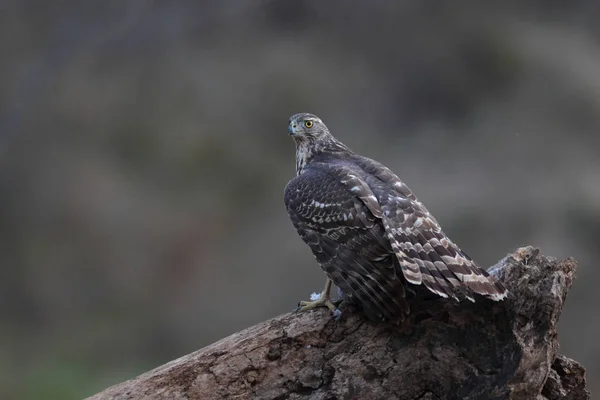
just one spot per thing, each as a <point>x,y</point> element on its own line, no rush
<point>448,350</point>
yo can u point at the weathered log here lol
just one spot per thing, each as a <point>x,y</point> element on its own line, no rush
<point>449,350</point>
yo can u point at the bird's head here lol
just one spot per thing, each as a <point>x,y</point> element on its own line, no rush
<point>305,127</point>
<point>312,139</point>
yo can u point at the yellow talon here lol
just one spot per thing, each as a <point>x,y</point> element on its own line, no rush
<point>323,301</point>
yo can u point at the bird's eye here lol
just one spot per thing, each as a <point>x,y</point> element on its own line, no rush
<point>308,124</point>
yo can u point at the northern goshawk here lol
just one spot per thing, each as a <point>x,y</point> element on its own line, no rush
<point>369,232</point>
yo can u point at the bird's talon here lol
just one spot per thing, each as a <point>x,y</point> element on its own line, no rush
<point>318,300</point>
<point>323,301</point>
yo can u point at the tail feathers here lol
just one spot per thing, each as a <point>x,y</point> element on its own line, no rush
<point>430,258</point>
<point>458,279</point>
<point>476,278</point>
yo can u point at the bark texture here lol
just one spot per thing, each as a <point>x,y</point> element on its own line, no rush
<point>449,350</point>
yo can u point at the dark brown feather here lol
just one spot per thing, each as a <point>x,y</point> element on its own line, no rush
<point>370,233</point>
<point>347,239</point>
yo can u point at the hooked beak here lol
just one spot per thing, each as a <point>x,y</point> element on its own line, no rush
<point>292,126</point>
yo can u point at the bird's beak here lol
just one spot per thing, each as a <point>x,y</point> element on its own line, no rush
<point>292,128</point>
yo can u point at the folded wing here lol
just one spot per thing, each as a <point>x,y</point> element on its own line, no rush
<point>339,217</point>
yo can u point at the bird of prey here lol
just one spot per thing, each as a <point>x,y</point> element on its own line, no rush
<point>369,232</point>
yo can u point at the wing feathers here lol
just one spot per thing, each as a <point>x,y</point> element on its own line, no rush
<point>338,216</point>
<point>371,235</point>
<point>360,189</point>
<point>425,254</point>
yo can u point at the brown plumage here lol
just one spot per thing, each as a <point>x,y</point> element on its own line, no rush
<point>368,231</point>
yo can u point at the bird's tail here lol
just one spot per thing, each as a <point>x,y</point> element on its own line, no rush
<point>429,258</point>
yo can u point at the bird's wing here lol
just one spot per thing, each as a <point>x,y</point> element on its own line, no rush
<point>338,216</point>
<point>425,253</point>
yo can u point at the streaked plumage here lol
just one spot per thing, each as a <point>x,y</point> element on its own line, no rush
<point>368,231</point>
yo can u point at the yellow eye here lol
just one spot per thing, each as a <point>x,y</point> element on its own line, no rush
<point>308,124</point>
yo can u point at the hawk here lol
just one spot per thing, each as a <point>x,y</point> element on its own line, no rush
<point>369,232</point>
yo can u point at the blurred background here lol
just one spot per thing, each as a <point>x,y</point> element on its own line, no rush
<point>144,152</point>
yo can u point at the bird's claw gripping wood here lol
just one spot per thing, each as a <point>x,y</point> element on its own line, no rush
<point>324,300</point>
<point>321,302</point>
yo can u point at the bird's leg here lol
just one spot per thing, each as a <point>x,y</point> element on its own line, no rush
<point>322,301</point>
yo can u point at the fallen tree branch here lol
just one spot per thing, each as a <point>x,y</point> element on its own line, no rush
<point>450,350</point>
